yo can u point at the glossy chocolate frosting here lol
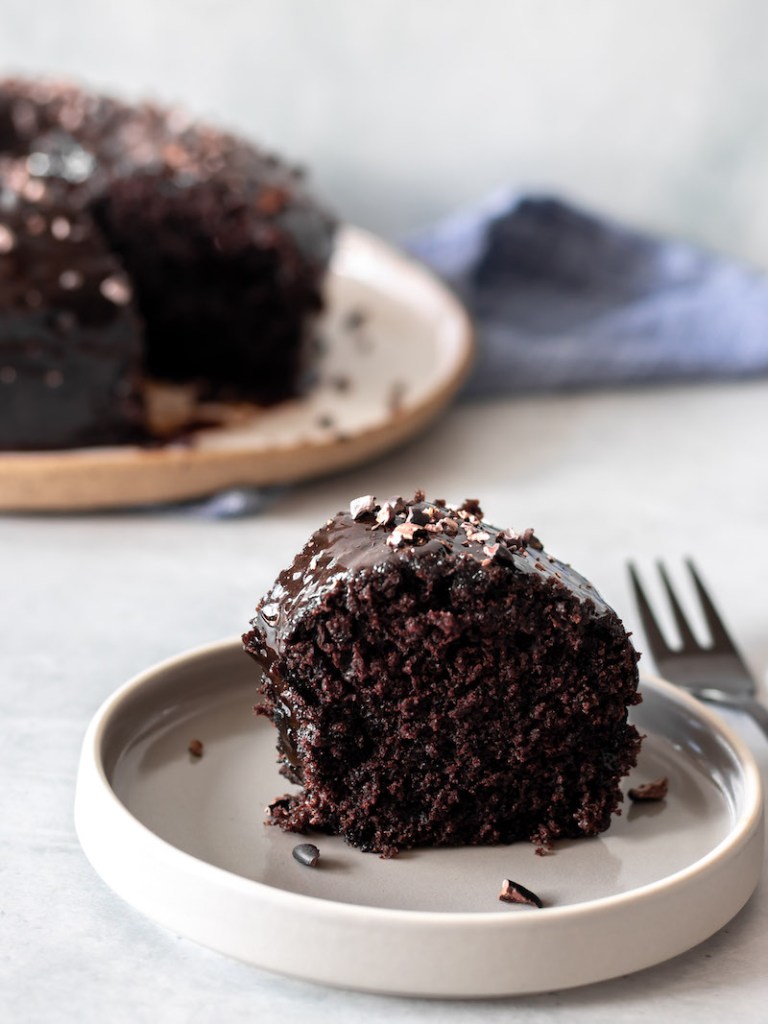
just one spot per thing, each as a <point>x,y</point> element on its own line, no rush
<point>92,141</point>
<point>368,537</point>
<point>372,533</point>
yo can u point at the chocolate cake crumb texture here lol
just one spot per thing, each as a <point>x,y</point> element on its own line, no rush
<point>435,680</point>
<point>513,892</point>
<point>650,791</point>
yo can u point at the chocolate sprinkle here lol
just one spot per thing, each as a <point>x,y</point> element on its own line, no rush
<point>423,518</point>
<point>650,791</point>
<point>418,516</point>
<point>406,533</point>
<point>513,892</point>
<point>306,854</point>
<point>530,539</point>
<point>359,508</point>
<point>386,514</point>
<point>472,506</point>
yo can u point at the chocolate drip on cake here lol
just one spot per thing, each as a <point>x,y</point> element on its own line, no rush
<point>435,680</point>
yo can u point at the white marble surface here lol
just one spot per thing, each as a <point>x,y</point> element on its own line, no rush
<point>85,602</point>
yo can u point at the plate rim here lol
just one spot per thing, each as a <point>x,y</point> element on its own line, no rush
<point>745,833</point>
<point>99,723</point>
<point>25,476</point>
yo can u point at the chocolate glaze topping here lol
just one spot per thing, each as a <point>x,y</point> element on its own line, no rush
<point>370,533</point>
<point>88,140</point>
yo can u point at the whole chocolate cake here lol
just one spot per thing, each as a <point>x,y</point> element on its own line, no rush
<point>437,681</point>
<point>133,243</point>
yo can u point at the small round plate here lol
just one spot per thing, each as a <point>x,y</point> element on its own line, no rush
<point>395,347</point>
<point>183,840</point>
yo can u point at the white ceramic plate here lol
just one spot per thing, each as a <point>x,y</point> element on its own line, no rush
<point>396,346</point>
<point>183,840</point>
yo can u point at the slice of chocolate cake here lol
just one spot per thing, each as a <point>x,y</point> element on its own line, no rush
<point>437,681</point>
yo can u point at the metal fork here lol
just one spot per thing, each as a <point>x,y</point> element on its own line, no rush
<point>714,673</point>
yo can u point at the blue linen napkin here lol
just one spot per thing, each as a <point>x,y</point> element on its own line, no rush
<point>562,299</point>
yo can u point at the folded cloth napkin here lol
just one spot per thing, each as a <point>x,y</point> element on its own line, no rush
<point>563,299</point>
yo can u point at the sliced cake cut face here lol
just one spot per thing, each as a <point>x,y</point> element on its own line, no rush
<point>228,296</point>
<point>436,681</point>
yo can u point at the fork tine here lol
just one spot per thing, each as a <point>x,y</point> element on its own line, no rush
<point>654,636</point>
<point>690,642</point>
<point>721,640</point>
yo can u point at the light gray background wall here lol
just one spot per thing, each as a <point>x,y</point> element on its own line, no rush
<point>654,109</point>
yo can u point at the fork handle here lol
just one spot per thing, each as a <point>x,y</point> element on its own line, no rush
<point>749,705</point>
